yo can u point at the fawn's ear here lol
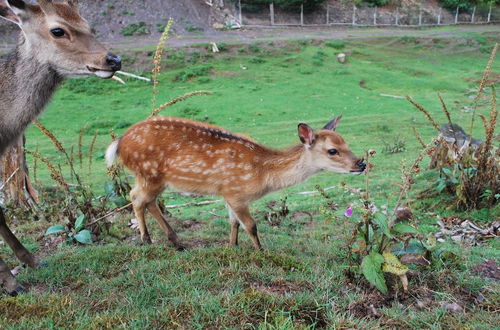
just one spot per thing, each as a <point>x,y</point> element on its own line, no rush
<point>332,124</point>
<point>11,10</point>
<point>306,134</point>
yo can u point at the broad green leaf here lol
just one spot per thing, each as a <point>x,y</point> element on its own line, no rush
<point>109,188</point>
<point>381,220</point>
<point>393,265</point>
<point>414,247</point>
<point>80,223</point>
<point>371,266</point>
<point>446,171</point>
<point>118,200</point>
<point>403,228</point>
<point>84,237</point>
<point>57,229</point>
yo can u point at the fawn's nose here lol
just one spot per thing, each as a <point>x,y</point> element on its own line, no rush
<point>114,62</point>
<point>361,164</point>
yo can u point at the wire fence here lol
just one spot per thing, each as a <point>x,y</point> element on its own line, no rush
<point>348,14</point>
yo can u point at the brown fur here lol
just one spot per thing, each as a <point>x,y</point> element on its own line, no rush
<point>205,159</point>
<point>31,74</point>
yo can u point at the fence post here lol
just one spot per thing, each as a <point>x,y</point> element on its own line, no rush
<point>327,14</point>
<point>271,12</point>
<point>397,16</point>
<point>473,13</point>
<point>489,14</point>
<point>375,16</point>
<point>456,16</point>
<point>353,14</point>
<point>420,16</point>
<point>239,12</point>
<point>439,16</point>
<point>302,14</point>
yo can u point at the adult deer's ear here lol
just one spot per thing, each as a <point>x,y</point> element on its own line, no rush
<point>332,124</point>
<point>306,135</point>
<point>11,10</point>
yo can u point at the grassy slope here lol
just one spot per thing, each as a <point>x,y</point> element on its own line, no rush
<point>300,276</point>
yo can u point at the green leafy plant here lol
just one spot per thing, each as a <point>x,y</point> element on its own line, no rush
<point>139,29</point>
<point>468,168</point>
<point>76,234</point>
<point>378,234</point>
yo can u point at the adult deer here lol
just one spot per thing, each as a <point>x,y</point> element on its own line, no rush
<point>55,43</point>
<point>204,159</point>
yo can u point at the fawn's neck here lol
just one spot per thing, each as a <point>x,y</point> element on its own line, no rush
<point>26,86</point>
<point>286,168</point>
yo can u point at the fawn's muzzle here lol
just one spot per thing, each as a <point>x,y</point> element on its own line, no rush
<point>361,164</point>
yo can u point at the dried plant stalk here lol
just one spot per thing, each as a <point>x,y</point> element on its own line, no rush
<point>160,49</point>
<point>51,136</point>
<point>55,173</point>
<point>91,150</point>
<point>487,71</point>
<point>425,112</point>
<point>80,144</point>
<point>419,138</point>
<point>178,99</point>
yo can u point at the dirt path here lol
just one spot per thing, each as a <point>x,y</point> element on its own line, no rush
<point>247,36</point>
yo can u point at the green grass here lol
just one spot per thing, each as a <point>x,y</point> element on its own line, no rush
<point>300,279</point>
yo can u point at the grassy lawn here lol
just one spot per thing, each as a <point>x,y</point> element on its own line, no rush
<point>300,279</point>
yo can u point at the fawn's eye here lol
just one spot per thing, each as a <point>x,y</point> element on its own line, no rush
<point>58,32</point>
<point>333,152</point>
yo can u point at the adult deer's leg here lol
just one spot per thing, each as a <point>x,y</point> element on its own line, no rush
<point>248,223</point>
<point>8,281</point>
<point>19,250</point>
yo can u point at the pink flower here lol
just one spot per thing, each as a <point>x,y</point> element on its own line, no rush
<point>348,212</point>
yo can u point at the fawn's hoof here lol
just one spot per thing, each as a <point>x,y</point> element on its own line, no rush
<point>43,264</point>
<point>180,247</point>
<point>18,291</point>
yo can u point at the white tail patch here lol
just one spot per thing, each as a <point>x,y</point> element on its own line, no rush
<point>111,153</point>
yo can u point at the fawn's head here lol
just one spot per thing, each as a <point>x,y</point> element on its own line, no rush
<point>57,35</point>
<point>328,150</point>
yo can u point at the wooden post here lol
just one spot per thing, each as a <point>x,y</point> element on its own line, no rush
<point>271,12</point>
<point>327,14</point>
<point>239,12</point>
<point>473,14</point>
<point>456,16</point>
<point>375,16</point>
<point>439,16</point>
<point>302,14</point>
<point>354,15</point>
<point>489,14</point>
<point>397,16</point>
<point>420,16</point>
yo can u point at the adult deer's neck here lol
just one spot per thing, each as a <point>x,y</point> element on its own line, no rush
<point>286,168</point>
<point>26,86</point>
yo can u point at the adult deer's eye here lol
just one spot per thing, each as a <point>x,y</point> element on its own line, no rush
<point>58,32</point>
<point>333,152</point>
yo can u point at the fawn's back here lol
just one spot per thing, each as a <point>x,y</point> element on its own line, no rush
<point>192,156</point>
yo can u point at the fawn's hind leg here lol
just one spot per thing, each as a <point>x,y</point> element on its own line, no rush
<point>141,195</point>
<point>248,223</point>
<point>155,211</point>
<point>235,225</point>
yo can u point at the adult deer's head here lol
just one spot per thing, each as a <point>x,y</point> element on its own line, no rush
<point>56,35</point>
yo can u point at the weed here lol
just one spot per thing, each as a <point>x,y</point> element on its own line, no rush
<point>394,146</point>
<point>192,28</point>
<point>138,29</point>
<point>337,44</point>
